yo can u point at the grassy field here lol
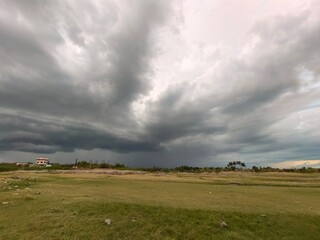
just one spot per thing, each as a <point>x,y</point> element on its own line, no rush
<point>74,205</point>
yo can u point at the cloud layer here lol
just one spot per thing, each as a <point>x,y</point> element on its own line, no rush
<point>160,82</point>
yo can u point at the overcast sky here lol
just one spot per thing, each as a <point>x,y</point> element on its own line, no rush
<point>161,83</point>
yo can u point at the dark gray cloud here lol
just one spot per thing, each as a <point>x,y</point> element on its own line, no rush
<point>82,76</point>
<point>34,82</point>
<point>30,135</point>
<point>171,118</point>
<point>34,79</point>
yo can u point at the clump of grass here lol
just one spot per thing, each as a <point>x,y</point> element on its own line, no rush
<point>7,167</point>
<point>20,182</point>
<point>56,210</point>
<point>28,198</point>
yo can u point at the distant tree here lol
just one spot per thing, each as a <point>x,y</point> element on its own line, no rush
<point>236,164</point>
<point>105,165</point>
<point>255,168</point>
<point>83,164</point>
<point>118,165</point>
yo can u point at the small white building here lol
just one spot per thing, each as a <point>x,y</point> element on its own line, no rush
<point>42,161</point>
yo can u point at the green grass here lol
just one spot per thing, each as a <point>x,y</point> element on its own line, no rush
<point>74,206</point>
<point>6,168</point>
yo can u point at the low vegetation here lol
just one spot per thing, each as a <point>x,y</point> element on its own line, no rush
<point>231,166</point>
<point>141,205</point>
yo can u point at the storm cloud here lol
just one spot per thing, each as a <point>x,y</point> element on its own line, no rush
<point>160,83</point>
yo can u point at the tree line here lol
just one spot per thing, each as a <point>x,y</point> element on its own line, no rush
<point>231,166</point>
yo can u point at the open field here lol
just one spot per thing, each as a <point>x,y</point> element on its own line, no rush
<point>74,204</point>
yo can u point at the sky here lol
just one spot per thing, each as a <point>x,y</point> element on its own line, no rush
<point>161,83</point>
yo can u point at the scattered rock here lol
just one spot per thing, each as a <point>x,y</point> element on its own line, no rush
<point>210,192</point>
<point>133,220</point>
<point>16,193</point>
<point>16,186</point>
<point>5,203</point>
<point>107,221</point>
<point>27,188</point>
<point>223,224</point>
<point>263,215</point>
